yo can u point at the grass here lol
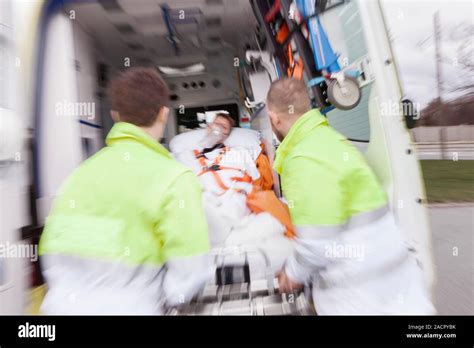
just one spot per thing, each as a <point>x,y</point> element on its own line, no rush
<point>448,181</point>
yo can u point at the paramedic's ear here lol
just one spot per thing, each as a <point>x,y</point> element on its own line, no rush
<point>115,115</point>
<point>274,119</point>
<point>163,114</point>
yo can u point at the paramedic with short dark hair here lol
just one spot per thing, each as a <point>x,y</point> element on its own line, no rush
<point>127,233</point>
<point>347,244</point>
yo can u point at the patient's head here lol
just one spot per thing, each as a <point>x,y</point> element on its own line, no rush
<point>220,128</point>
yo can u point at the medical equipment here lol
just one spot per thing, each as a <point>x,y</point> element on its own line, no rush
<point>213,137</point>
<point>303,51</point>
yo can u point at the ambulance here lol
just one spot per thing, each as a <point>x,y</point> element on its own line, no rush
<point>59,55</point>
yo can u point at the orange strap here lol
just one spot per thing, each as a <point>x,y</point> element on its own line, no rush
<point>216,167</point>
<point>282,33</point>
<point>295,69</point>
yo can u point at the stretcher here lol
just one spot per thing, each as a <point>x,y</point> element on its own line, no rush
<point>234,291</point>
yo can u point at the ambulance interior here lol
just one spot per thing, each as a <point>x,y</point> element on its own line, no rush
<point>214,56</point>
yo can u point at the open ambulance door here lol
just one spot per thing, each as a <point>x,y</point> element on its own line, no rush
<point>357,32</point>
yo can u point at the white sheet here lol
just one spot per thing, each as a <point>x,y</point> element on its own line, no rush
<point>230,221</point>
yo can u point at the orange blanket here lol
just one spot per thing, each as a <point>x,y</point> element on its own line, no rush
<point>266,201</point>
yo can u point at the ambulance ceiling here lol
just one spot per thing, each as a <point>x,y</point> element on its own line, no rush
<point>137,29</point>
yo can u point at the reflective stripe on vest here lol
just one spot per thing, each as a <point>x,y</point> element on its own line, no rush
<point>328,231</point>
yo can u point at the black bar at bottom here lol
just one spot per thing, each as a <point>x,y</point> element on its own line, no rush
<point>138,330</point>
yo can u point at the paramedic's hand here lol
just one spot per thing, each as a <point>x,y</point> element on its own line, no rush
<point>286,285</point>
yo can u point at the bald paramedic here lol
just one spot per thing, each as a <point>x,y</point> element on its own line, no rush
<point>127,233</point>
<point>347,244</point>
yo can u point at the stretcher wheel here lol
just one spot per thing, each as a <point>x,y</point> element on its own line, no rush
<point>344,97</point>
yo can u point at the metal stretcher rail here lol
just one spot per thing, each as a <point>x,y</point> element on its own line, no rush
<point>236,293</point>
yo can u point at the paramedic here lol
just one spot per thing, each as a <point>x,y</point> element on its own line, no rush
<point>127,233</point>
<point>347,244</point>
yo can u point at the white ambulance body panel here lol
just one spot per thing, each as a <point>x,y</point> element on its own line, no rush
<point>74,48</point>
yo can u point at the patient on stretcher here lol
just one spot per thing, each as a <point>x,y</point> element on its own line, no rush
<point>241,206</point>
